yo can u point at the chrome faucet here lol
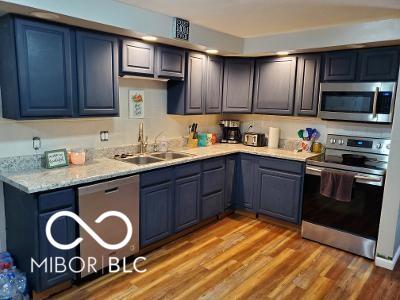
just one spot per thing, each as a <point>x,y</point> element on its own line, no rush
<point>142,141</point>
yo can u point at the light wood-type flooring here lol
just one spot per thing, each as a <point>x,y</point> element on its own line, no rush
<point>243,258</point>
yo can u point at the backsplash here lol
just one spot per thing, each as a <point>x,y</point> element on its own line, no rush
<point>290,125</point>
<point>16,136</point>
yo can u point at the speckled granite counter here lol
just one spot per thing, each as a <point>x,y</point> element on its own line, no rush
<point>39,180</point>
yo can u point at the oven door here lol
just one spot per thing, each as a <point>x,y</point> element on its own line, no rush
<point>352,226</point>
<point>363,102</point>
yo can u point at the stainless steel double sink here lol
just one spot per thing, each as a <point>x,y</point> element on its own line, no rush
<point>153,157</point>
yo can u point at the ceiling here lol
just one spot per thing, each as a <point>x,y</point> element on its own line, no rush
<point>251,18</point>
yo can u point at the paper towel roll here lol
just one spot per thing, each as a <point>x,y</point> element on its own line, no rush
<point>273,137</point>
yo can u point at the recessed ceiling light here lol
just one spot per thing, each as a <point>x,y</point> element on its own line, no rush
<point>149,38</point>
<point>212,51</point>
<point>45,15</point>
<point>282,52</point>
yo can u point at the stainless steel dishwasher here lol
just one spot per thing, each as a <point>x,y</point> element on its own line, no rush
<point>120,195</point>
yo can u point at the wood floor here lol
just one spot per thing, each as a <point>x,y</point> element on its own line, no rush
<point>242,258</point>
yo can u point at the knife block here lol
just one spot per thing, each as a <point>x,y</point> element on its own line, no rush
<point>192,141</point>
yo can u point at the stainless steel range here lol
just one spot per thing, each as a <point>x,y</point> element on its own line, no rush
<point>351,226</point>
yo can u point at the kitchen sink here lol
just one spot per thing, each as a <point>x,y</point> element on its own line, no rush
<point>142,160</point>
<point>169,155</point>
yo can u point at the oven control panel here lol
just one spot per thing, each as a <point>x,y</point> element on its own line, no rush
<point>360,144</point>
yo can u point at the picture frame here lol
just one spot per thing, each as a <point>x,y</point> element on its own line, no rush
<point>136,104</point>
<point>56,158</point>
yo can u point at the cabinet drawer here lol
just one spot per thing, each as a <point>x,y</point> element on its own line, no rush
<point>213,163</point>
<point>281,165</point>
<point>187,170</point>
<point>213,181</point>
<point>155,177</point>
<point>211,205</point>
<point>56,200</point>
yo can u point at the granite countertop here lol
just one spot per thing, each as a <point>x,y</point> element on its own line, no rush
<point>39,180</point>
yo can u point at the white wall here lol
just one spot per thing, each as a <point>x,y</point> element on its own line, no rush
<point>389,229</point>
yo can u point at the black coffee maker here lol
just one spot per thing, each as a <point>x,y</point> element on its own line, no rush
<point>230,131</point>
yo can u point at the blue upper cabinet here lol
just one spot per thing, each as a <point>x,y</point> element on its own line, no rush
<point>37,73</point>
<point>380,64</point>
<point>340,66</point>
<point>137,58</point>
<point>307,85</point>
<point>53,71</point>
<point>238,85</point>
<point>97,65</point>
<point>215,77</point>
<point>187,97</point>
<point>274,85</point>
<point>170,62</point>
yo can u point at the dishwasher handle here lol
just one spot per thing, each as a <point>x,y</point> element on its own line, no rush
<point>108,187</point>
<point>112,190</point>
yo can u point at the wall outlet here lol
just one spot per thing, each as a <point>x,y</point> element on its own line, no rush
<point>104,136</point>
<point>36,143</point>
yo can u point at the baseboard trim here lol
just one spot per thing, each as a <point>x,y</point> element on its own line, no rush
<point>386,263</point>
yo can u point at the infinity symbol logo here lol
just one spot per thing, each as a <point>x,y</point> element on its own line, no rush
<point>89,230</point>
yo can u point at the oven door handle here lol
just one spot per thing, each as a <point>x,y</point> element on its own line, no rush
<point>375,102</point>
<point>359,178</point>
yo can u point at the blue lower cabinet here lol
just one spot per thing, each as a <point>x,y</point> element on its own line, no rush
<point>64,232</point>
<point>213,187</point>
<point>156,203</point>
<point>245,183</point>
<point>187,202</point>
<point>211,205</point>
<point>26,219</point>
<point>278,194</point>
<point>230,181</point>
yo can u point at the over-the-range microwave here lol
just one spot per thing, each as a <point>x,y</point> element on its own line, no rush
<point>357,101</point>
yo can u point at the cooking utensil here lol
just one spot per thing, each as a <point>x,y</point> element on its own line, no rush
<point>300,133</point>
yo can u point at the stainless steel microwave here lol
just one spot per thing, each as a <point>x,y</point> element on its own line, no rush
<point>357,101</point>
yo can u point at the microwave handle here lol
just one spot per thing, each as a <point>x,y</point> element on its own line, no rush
<point>375,102</point>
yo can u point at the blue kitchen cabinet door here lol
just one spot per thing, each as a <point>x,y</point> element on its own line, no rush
<point>340,66</point>
<point>230,181</point>
<point>274,85</point>
<point>245,183</point>
<point>64,232</point>
<point>97,66</point>
<point>137,58</point>
<point>238,85</point>
<point>188,97</point>
<point>279,194</point>
<point>213,187</point>
<point>170,62</point>
<point>45,69</point>
<point>381,64</point>
<point>187,201</point>
<point>307,85</point>
<point>156,220</point>
<point>211,205</point>
<point>215,81</point>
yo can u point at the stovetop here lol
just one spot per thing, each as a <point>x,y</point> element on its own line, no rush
<point>371,166</point>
